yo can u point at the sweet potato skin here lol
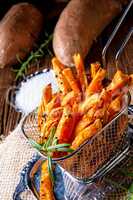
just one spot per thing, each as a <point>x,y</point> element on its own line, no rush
<point>19,30</point>
<point>79,24</point>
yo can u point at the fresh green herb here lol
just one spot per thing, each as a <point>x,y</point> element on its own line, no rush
<point>33,57</point>
<point>50,170</point>
<point>130,192</point>
<point>50,139</point>
<point>65,150</point>
<point>49,147</point>
<point>55,141</point>
<point>60,147</point>
<point>35,145</point>
<point>131,188</point>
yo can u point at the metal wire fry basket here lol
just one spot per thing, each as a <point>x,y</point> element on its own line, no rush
<point>91,155</point>
<point>95,153</point>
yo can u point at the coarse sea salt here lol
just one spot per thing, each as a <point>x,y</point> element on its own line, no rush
<point>29,94</point>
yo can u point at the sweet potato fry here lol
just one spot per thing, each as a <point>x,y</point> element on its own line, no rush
<point>62,82</point>
<point>118,82</point>
<point>46,97</point>
<point>52,121</point>
<point>70,78</point>
<point>115,107</point>
<point>45,131</point>
<point>105,97</point>
<point>47,94</point>
<point>86,134</point>
<point>54,103</point>
<point>46,187</point>
<point>94,68</point>
<point>80,71</point>
<point>96,83</point>
<point>85,121</point>
<point>56,62</point>
<point>55,113</point>
<point>89,102</point>
<point>65,128</point>
<point>69,96</point>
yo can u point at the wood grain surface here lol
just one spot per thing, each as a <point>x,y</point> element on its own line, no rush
<point>9,118</point>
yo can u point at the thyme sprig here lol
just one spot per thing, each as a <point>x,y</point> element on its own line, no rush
<point>33,57</point>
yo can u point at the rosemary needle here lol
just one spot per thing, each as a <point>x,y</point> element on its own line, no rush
<point>49,147</point>
<point>50,170</point>
<point>34,56</point>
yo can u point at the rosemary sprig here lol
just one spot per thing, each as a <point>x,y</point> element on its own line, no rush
<point>33,57</point>
<point>60,147</point>
<point>49,147</point>
<point>35,145</point>
<point>50,139</point>
<point>50,170</point>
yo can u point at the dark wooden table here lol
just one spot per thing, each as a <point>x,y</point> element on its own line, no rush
<point>9,118</point>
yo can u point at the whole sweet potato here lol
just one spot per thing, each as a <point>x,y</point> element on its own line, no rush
<point>19,29</point>
<point>79,24</point>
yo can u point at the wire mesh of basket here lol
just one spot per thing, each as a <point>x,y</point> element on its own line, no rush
<point>93,154</point>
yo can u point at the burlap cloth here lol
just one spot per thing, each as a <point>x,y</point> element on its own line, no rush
<point>15,152</point>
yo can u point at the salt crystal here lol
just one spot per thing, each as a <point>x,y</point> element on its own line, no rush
<point>30,92</point>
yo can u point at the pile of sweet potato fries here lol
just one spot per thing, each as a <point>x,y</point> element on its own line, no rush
<point>82,106</point>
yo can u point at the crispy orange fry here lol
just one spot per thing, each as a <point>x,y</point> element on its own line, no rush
<point>71,98</point>
<point>85,121</point>
<point>86,134</point>
<point>46,187</point>
<point>70,78</point>
<point>118,82</point>
<point>55,113</point>
<point>52,121</point>
<point>62,82</point>
<point>94,68</point>
<point>89,102</point>
<point>47,94</point>
<point>56,62</point>
<point>64,131</point>
<point>80,71</point>
<point>45,131</point>
<point>54,103</point>
<point>115,106</point>
<point>96,83</point>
